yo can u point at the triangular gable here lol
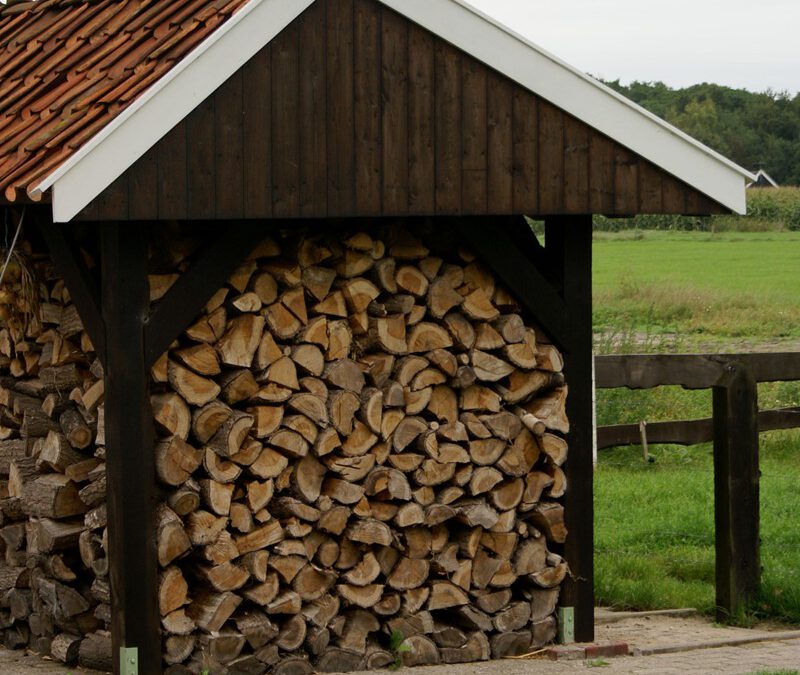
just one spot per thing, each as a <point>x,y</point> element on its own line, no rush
<point>175,95</point>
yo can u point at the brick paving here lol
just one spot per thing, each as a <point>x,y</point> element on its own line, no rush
<point>640,632</point>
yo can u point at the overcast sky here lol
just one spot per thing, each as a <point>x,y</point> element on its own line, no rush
<point>753,44</point>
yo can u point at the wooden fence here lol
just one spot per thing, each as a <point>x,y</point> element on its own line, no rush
<point>734,430</point>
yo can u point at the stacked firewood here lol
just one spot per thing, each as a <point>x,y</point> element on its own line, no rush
<point>54,590</point>
<point>360,443</point>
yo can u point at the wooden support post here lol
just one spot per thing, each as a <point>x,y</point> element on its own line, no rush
<point>571,242</point>
<point>129,448</point>
<point>736,491</point>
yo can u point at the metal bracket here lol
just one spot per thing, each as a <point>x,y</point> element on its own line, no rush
<point>566,625</point>
<point>129,660</point>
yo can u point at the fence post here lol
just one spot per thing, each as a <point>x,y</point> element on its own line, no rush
<point>736,491</point>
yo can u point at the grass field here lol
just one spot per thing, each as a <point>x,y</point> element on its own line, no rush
<point>700,285</point>
<point>663,291</point>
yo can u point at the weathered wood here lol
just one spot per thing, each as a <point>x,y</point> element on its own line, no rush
<point>736,491</point>
<point>134,566</point>
<point>572,244</point>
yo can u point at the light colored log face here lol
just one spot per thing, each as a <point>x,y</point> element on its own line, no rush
<point>360,433</point>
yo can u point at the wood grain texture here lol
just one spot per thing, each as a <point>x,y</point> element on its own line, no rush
<point>576,166</point>
<point>421,111</point>
<point>131,503</point>
<point>475,134</point>
<point>394,94</point>
<point>525,152</point>
<point>626,181</point>
<point>355,111</point>
<point>172,187</point>
<point>285,123</point>
<point>312,112</point>
<point>578,591</point>
<point>601,174</point>
<point>551,159</point>
<point>142,184</point>
<point>201,164</point>
<point>340,119</point>
<point>228,131</point>
<point>257,134</point>
<point>367,102</point>
<point>500,142</point>
<point>448,128</point>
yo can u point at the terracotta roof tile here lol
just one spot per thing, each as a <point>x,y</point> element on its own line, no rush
<point>68,67</point>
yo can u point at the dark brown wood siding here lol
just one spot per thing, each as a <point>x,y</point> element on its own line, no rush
<point>355,111</point>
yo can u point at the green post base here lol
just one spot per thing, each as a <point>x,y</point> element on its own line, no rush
<point>129,661</point>
<point>566,625</point>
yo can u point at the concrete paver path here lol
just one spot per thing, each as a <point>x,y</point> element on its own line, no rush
<point>642,633</point>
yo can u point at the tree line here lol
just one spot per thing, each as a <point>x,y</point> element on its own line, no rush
<point>756,130</point>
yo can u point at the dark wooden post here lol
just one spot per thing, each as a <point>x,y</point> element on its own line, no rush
<point>736,491</point>
<point>569,241</point>
<point>129,447</point>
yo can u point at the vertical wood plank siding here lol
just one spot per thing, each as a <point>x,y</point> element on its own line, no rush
<point>201,165</point>
<point>257,135</point>
<point>228,131</point>
<point>355,111</point>
<point>285,123</point>
<point>313,112</point>
<point>368,135</point>
<point>421,114</point>
<point>340,66</point>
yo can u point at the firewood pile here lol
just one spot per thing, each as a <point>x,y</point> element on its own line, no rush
<point>54,589</point>
<point>360,437</point>
<point>359,441</point>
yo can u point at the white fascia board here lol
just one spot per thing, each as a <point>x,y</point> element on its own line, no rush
<point>140,126</point>
<point>597,105</point>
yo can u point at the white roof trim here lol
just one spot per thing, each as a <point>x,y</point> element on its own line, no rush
<point>763,173</point>
<point>118,145</point>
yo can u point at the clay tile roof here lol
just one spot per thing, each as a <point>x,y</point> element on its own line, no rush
<point>68,67</point>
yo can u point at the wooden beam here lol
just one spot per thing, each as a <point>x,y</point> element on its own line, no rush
<point>179,307</point>
<point>555,248</point>
<point>736,492</point>
<point>83,287</point>
<point>522,277</point>
<point>692,371</point>
<point>689,432</point>
<point>526,241</point>
<point>578,590</point>
<point>770,367</point>
<point>129,448</point>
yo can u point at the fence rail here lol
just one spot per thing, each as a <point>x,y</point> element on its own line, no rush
<point>688,432</point>
<point>734,429</point>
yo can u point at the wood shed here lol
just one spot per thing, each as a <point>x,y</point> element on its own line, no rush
<point>286,373</point>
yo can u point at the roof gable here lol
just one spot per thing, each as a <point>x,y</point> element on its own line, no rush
<point>108,153</point>
<point>69,68</point>
<point>355,111</point>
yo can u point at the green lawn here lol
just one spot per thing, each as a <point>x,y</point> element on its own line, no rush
<point>698,284</point>
<point>655,528</point>
<point>662,291</point>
